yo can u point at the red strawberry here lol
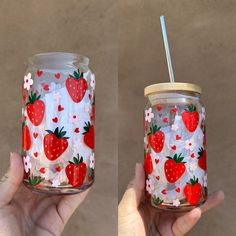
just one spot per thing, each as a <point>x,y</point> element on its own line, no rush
<point>148,166</point>
<point>76,86</point>
<point>192,191</point>
<point>190,118</point>
<point>156,138</point>
<point>55,143</point>
<point>76,172</point>
<point>89,135</point>
<point>26,139</point>
<point>35,109</point>
<point>174,168</point>
<point>202,158</point>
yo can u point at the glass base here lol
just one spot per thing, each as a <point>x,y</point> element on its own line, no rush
<point>180,209</point>
<point>58,190</point>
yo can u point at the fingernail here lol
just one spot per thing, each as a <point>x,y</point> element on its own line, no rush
<point>11,153</point>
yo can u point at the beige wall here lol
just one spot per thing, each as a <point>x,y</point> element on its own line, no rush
<point>86,27</point>
<point>202,36</point>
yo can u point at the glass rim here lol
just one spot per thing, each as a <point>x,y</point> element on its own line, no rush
<point>66,57</point>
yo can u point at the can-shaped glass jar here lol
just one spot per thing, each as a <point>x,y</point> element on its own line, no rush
<point>58,123</point>
<point>175,146</point>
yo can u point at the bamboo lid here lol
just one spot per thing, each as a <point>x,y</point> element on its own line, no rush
<point>166,87</point>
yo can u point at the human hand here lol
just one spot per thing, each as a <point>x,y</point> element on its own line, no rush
<point>139,219</point>
<point>23,212</point>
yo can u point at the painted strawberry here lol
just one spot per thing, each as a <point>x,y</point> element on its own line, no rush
<point>76,171</point>
<point>148,166</point>
<point>76,86</point>
<point>202,158</point>
<point>35,109</point>
<point>192,191</point>
<point>156,138</point>
<point>89,135</point>
<point>190,118</point>
<point>26,139</point>
<point>55,143</point>
<point>174,168</point>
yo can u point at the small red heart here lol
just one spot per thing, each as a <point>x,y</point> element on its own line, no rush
<point>58,169</point>
<point>35,135</point>
<point>90,178</point>
<point>36,154</point>
<point>60,108</point>
<point>174,110</point>
<point>177,190</point>
<point>76,130</point>
<point>42,170</point>
<point>192,155</point>
<point>177,137</point>
<point>55,119</point>
<point>90,96</point>
<point>158,177</point>
<point>163,191</point>
<point>39,73</point>
<point>156,160</point>
<point>173,147</point>
<point>57,75</point>
<point>46,87</point>
<point>25,118</point>
<point>165,120</point>
<point>159,107</point>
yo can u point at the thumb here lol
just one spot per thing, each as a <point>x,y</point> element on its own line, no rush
<point>133,195</point>
<point>185,223</point>
<point>11,181</point>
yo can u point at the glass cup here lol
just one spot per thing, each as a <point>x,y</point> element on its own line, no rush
<point>175,147</point>
<point>58,123</point>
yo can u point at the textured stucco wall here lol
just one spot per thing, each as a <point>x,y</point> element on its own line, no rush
<point>85,27</point>
<point>202,37</point>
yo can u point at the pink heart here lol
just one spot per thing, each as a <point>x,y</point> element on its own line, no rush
<point>35,135</point>
<point>57,75</point>
<point>39,73</point>
<point>174,110</point>
<point>46,87</point>
<point>178,137</point>
<point>165,120</point>
<point>60,108</point>
<point>159,107</point>
<point>55,119</point>
<point>177,190</point>
<point>163,191</point>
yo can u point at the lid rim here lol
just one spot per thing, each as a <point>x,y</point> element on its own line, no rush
<point>165,87</point>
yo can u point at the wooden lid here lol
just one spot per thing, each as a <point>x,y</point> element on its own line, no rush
<point>167,87</point>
